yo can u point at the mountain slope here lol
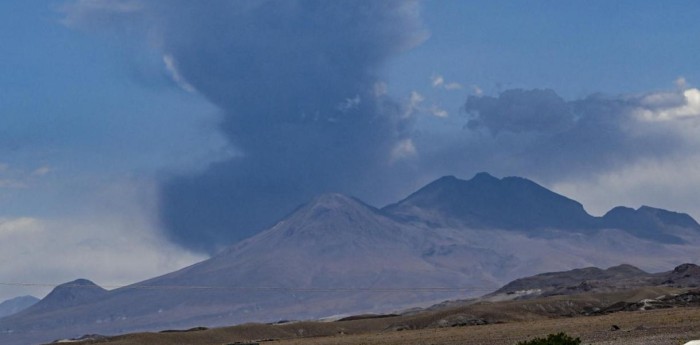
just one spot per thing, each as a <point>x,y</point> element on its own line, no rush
<point>651,223</point>
<point>337,255</point>
<point>334,255</point>
<point>17,304</point>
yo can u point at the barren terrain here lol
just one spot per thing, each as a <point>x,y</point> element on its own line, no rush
<point>659,327</point>
<point>507,323</point>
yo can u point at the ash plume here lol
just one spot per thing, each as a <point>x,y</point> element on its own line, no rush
<point>296,82</point>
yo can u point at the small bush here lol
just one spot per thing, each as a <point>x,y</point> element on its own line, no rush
<point>553,339</point>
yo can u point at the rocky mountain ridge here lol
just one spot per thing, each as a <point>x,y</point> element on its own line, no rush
<point>593,279</point>
<point>515,203</point>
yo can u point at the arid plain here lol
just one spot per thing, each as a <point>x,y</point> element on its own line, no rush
<point>507,323</point>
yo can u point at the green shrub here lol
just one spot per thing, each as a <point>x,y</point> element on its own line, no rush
<point>553,339</point>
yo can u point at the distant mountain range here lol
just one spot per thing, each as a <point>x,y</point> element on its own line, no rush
<point>515,203</point>
<point>337,255</point>
<point>17,304</point>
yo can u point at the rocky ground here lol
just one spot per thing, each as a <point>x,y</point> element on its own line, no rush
<point>659,327</point>
<point>676,321</point>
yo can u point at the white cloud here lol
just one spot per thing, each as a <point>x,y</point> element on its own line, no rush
<point>670,183</point>
<point>349,104</point>
<point>12,183</point>
<point>681,83</point>
<point>453,86</point>
<point>80,11</point>
<point>437,80</point>
<point>18,178</point>
<point>171,67</point>
<point>670,106</point>
<point>380,89</point>
<point>17,226</point>
<point>403,149</point>
<point>123,6</point>
<point>415,99</point>
<point>41,171</point>
<point>413,104</point>
<point>117,243</point>
<point>438,112</point>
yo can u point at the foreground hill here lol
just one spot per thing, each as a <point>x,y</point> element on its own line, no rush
<point>338,256</point>
<point>593,279</point>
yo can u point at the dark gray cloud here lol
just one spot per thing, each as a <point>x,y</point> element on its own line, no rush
<point>520,111</point>
<point>539,134</point>
<point>295,81</point>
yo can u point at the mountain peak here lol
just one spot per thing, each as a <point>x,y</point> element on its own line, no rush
<point>683,275</point>
<point>77,288</point>
<point>488,202</point>
<point>332,214</point>
<point>445,182</point>
<point>333,200</point>
<point>17,304</point>
<point>71,294</point>
<point>484,177</point>
<point>626,269</point>
<point>329,204</point>
<point>686,268</point>
<point>451,180</point>
<point>77,283</point>
<point>447,179</point>
<point>649,222</point>
<point>620,210</point>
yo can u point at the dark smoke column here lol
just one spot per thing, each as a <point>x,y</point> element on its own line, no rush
<point>296,81</point>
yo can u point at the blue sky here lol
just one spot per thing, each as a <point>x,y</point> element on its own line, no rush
<point>114,112</point>
<point>574,47</point>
